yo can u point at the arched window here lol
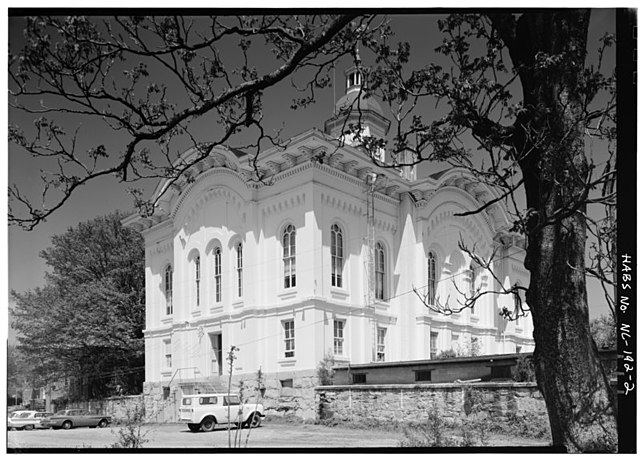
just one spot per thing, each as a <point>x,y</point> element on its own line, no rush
<point>239,267</point>
<point>168,288</point>
<point>337,259</point>
<point>472,284</point>
<point>380,279</point>
<point>217,272</point>
<point>289,256</point>
<point>196,262</point>
<point>431,278</point>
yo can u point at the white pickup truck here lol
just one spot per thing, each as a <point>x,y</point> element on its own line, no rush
<point>205,411</point>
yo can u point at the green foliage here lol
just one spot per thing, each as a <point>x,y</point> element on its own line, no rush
<point>87,321</point>
<point>446,354</point>
<point>523,425</point>
<point>431,434</point>
<point>524,370</point>
<point>470,346</point>
<point>324,371</point>
<point>603,331</point>
<point>130,433</point>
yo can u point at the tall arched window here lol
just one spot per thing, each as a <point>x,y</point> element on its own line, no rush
<point>380,279</point>
<point>472,284</point>
<point>196,262</point>
<point>239,267</point>
<point>217,272</point>
<point>337,260</point>
<point>431,278</point>
<point>168,288</point>
<point>289,256</point>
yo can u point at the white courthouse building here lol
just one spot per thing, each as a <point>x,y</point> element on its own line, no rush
<point>304,266</point>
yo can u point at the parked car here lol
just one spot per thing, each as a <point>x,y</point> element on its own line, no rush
<point>67,419</point>
<point>205,411</point>
<point>27,419</point>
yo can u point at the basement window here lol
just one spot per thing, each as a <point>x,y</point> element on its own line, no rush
<point>423,376</point>
<point>501,372</point>
<point>359,378</point>
<point>286,383</point>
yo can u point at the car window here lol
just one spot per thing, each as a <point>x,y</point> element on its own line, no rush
<point>231,401</point>
<point>209,400</point>
<point>186,401</point>
<point>24,415</point>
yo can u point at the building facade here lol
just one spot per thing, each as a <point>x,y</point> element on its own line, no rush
<point>321,259</point>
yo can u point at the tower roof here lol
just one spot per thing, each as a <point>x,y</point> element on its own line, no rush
<point>353,108</point>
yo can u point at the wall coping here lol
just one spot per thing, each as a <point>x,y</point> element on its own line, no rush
<point>428,386</point>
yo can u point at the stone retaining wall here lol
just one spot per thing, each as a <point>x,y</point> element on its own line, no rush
<point>409,403</point>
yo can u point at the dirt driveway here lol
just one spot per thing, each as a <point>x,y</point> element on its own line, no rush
<point>178,436</point>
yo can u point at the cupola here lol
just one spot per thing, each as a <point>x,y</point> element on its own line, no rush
<point>353,108</point>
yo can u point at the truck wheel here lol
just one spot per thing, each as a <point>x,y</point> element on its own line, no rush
<point>67,425</point>
<point>28,427</point>
<point>254,421</point>
<point>208,424</point>
<point>194,427</point>
<point>103,423</point>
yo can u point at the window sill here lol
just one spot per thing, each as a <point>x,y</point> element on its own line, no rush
<point>288,293</point>
<point>238,304</point>
<point>196,312</point>
<point>339,293</point>
<point>341,359</point>
<point>216,309</point>
<point>167,320</point>
<point>166,373</point>
<point>287,362</point>
<point>474,318</point>
<point>381,305</point>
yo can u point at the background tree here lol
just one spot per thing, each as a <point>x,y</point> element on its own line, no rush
<point>603,330</point>
<point>535,144</point>
<point>87,322</point>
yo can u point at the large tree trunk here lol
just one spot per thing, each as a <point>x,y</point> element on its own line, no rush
<point>549,50</point>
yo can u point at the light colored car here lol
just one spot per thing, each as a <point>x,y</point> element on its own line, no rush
<point>72,418</point>
<point>27,419</point>
<point>205,411</point>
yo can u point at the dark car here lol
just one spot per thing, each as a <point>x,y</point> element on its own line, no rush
<point>67,419</point>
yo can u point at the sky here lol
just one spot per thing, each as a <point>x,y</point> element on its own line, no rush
<point>26,269</point>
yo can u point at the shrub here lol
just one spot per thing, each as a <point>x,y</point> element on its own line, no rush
<point>445,354</point>
<point>130,434</point>
<point>430,435</point>
<point>524,370</point>
<point>324,372</point>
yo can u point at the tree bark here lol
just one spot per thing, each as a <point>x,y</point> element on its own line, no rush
<point>549,49</point>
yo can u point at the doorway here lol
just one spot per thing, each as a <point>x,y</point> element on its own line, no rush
<point>216,353</point>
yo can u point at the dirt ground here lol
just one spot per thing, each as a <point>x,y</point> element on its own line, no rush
<point>269,435</point>
<point>179,436</point>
